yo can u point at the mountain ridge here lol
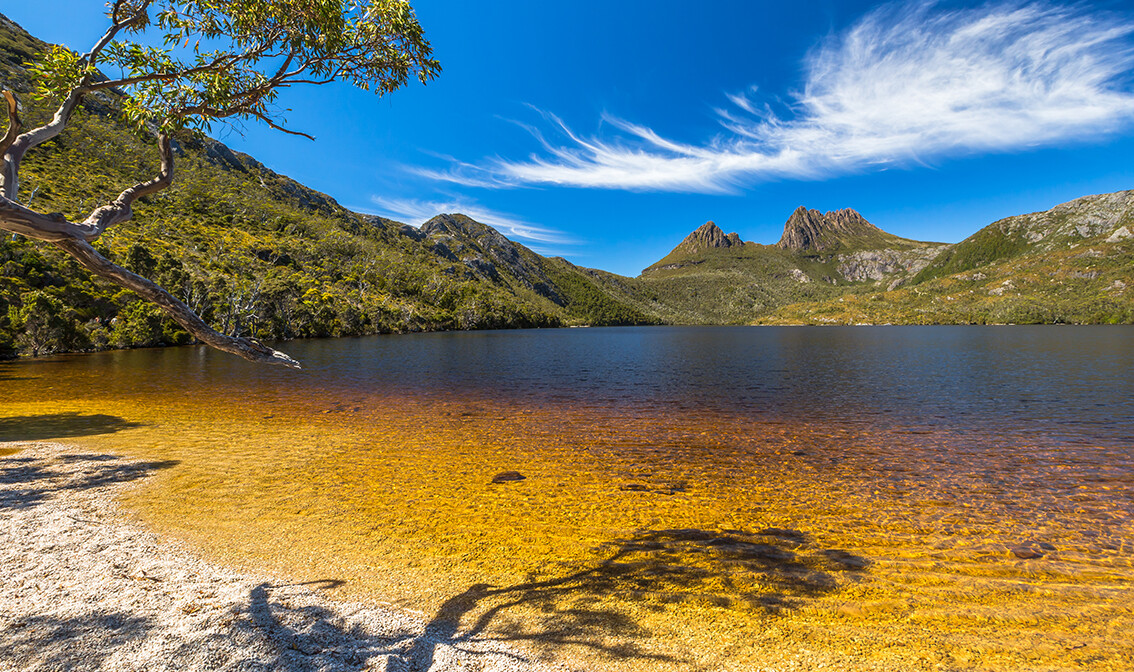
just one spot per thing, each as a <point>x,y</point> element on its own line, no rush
<point>259,254</point>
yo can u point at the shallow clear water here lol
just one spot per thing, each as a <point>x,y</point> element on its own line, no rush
<point>721,498</point>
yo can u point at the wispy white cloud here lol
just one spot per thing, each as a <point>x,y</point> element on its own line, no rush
<point>417,212</point>
<point>907,83</point>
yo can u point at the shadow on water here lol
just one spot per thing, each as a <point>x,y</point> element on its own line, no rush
<point>605,605</point>
<point>29,481</point>
<point>596,606</point>
<point>592,607</point>
<point>60,426</point>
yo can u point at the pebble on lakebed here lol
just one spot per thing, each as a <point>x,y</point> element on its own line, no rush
<point>1031,550</point>
<point>508,477</point>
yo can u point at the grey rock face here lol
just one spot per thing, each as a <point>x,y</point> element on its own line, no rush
<point>877,264</point>
<point>1073,221</point>
<point>708,235</point>
<point>1121,234</point>
<point>812,230</point>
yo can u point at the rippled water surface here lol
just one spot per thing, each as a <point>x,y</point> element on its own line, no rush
<point>694,498</point>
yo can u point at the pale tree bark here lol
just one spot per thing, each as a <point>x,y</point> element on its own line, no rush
<point>75,238</point>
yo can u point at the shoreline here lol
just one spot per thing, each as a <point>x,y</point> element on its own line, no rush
<point>283,344</point>
<point>86,587</point>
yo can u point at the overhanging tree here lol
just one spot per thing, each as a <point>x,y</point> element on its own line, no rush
<point>214,60</point>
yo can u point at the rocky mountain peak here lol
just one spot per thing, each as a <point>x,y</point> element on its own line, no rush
<point>706,236</point>
<point>813,230</point>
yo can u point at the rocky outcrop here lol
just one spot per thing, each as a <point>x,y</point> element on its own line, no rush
<point>1121,234</point>
<point>816,231</point>
<point>878,264</point>
<point>486,252</point>
<point>1074,221</point>
<point>708,236</point>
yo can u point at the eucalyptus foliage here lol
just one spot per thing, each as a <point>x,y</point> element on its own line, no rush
<point>188,64</point>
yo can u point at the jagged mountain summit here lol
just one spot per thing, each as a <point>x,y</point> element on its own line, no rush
<point>706,236</point>
<point>714,278</point>
<point>813,231</point>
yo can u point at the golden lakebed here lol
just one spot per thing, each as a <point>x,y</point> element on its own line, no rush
<point>643,540</point>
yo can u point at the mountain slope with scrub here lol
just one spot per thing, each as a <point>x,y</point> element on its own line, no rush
<point>257,254</point>
<point>253,252</point>
<point>1073,263</point>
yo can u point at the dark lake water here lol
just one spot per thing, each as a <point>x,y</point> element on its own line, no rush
<point>852,488</point>
<point>1065,383</point>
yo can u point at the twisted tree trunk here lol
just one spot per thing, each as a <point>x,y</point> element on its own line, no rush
<point>75,238</point>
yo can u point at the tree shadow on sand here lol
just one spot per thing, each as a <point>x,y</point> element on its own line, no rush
<point>594,607</point>
<point>280,627</point>
<point>60,426</point>
<point>604,606</point>
<point>271,631</point>
<point>37,479</point>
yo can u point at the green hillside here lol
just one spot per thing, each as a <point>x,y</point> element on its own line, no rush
<point>1071,264</point>
<point>253,252</point>
<point>257,254</point>
<point>711,278</point>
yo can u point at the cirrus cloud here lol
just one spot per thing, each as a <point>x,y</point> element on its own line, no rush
<point>905,84</point>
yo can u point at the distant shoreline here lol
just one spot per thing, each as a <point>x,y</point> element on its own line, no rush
<point>283,344</point>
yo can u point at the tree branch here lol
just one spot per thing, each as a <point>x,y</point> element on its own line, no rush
<point>36,225</point>
<point>14,126</point>
<point>121,209</point>
<point>55,227</point>
<point>115,27</point>
<point>249,349</point>
<point>244,109</point>
<point>212,66</point>
<point>10,186</point>
<point>267,120</point>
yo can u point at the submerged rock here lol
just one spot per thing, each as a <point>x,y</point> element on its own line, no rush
<point>508,477</point>
<point>1026,552</point>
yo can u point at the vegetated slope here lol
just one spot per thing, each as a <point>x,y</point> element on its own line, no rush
<point>253,252</point>
<point>713,278</point>
<point>577,295</point>
<point>1071,264</point>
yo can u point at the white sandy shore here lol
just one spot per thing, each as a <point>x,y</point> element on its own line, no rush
<point>84,588</point>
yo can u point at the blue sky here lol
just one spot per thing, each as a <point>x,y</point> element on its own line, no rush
<point>606,131</point>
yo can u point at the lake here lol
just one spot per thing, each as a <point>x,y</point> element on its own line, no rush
<point>717,498</point>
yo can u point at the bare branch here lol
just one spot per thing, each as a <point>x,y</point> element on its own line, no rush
<point>14,126</point>
<point>54,227</point>
<point>10,187</point>
<point>243,109</point>
<point>267,120</point>
<point>249,349</point>
<point>121,209</point>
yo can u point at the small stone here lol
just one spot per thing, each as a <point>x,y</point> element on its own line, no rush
<point>508,477</point>
<point>1026,552</point>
